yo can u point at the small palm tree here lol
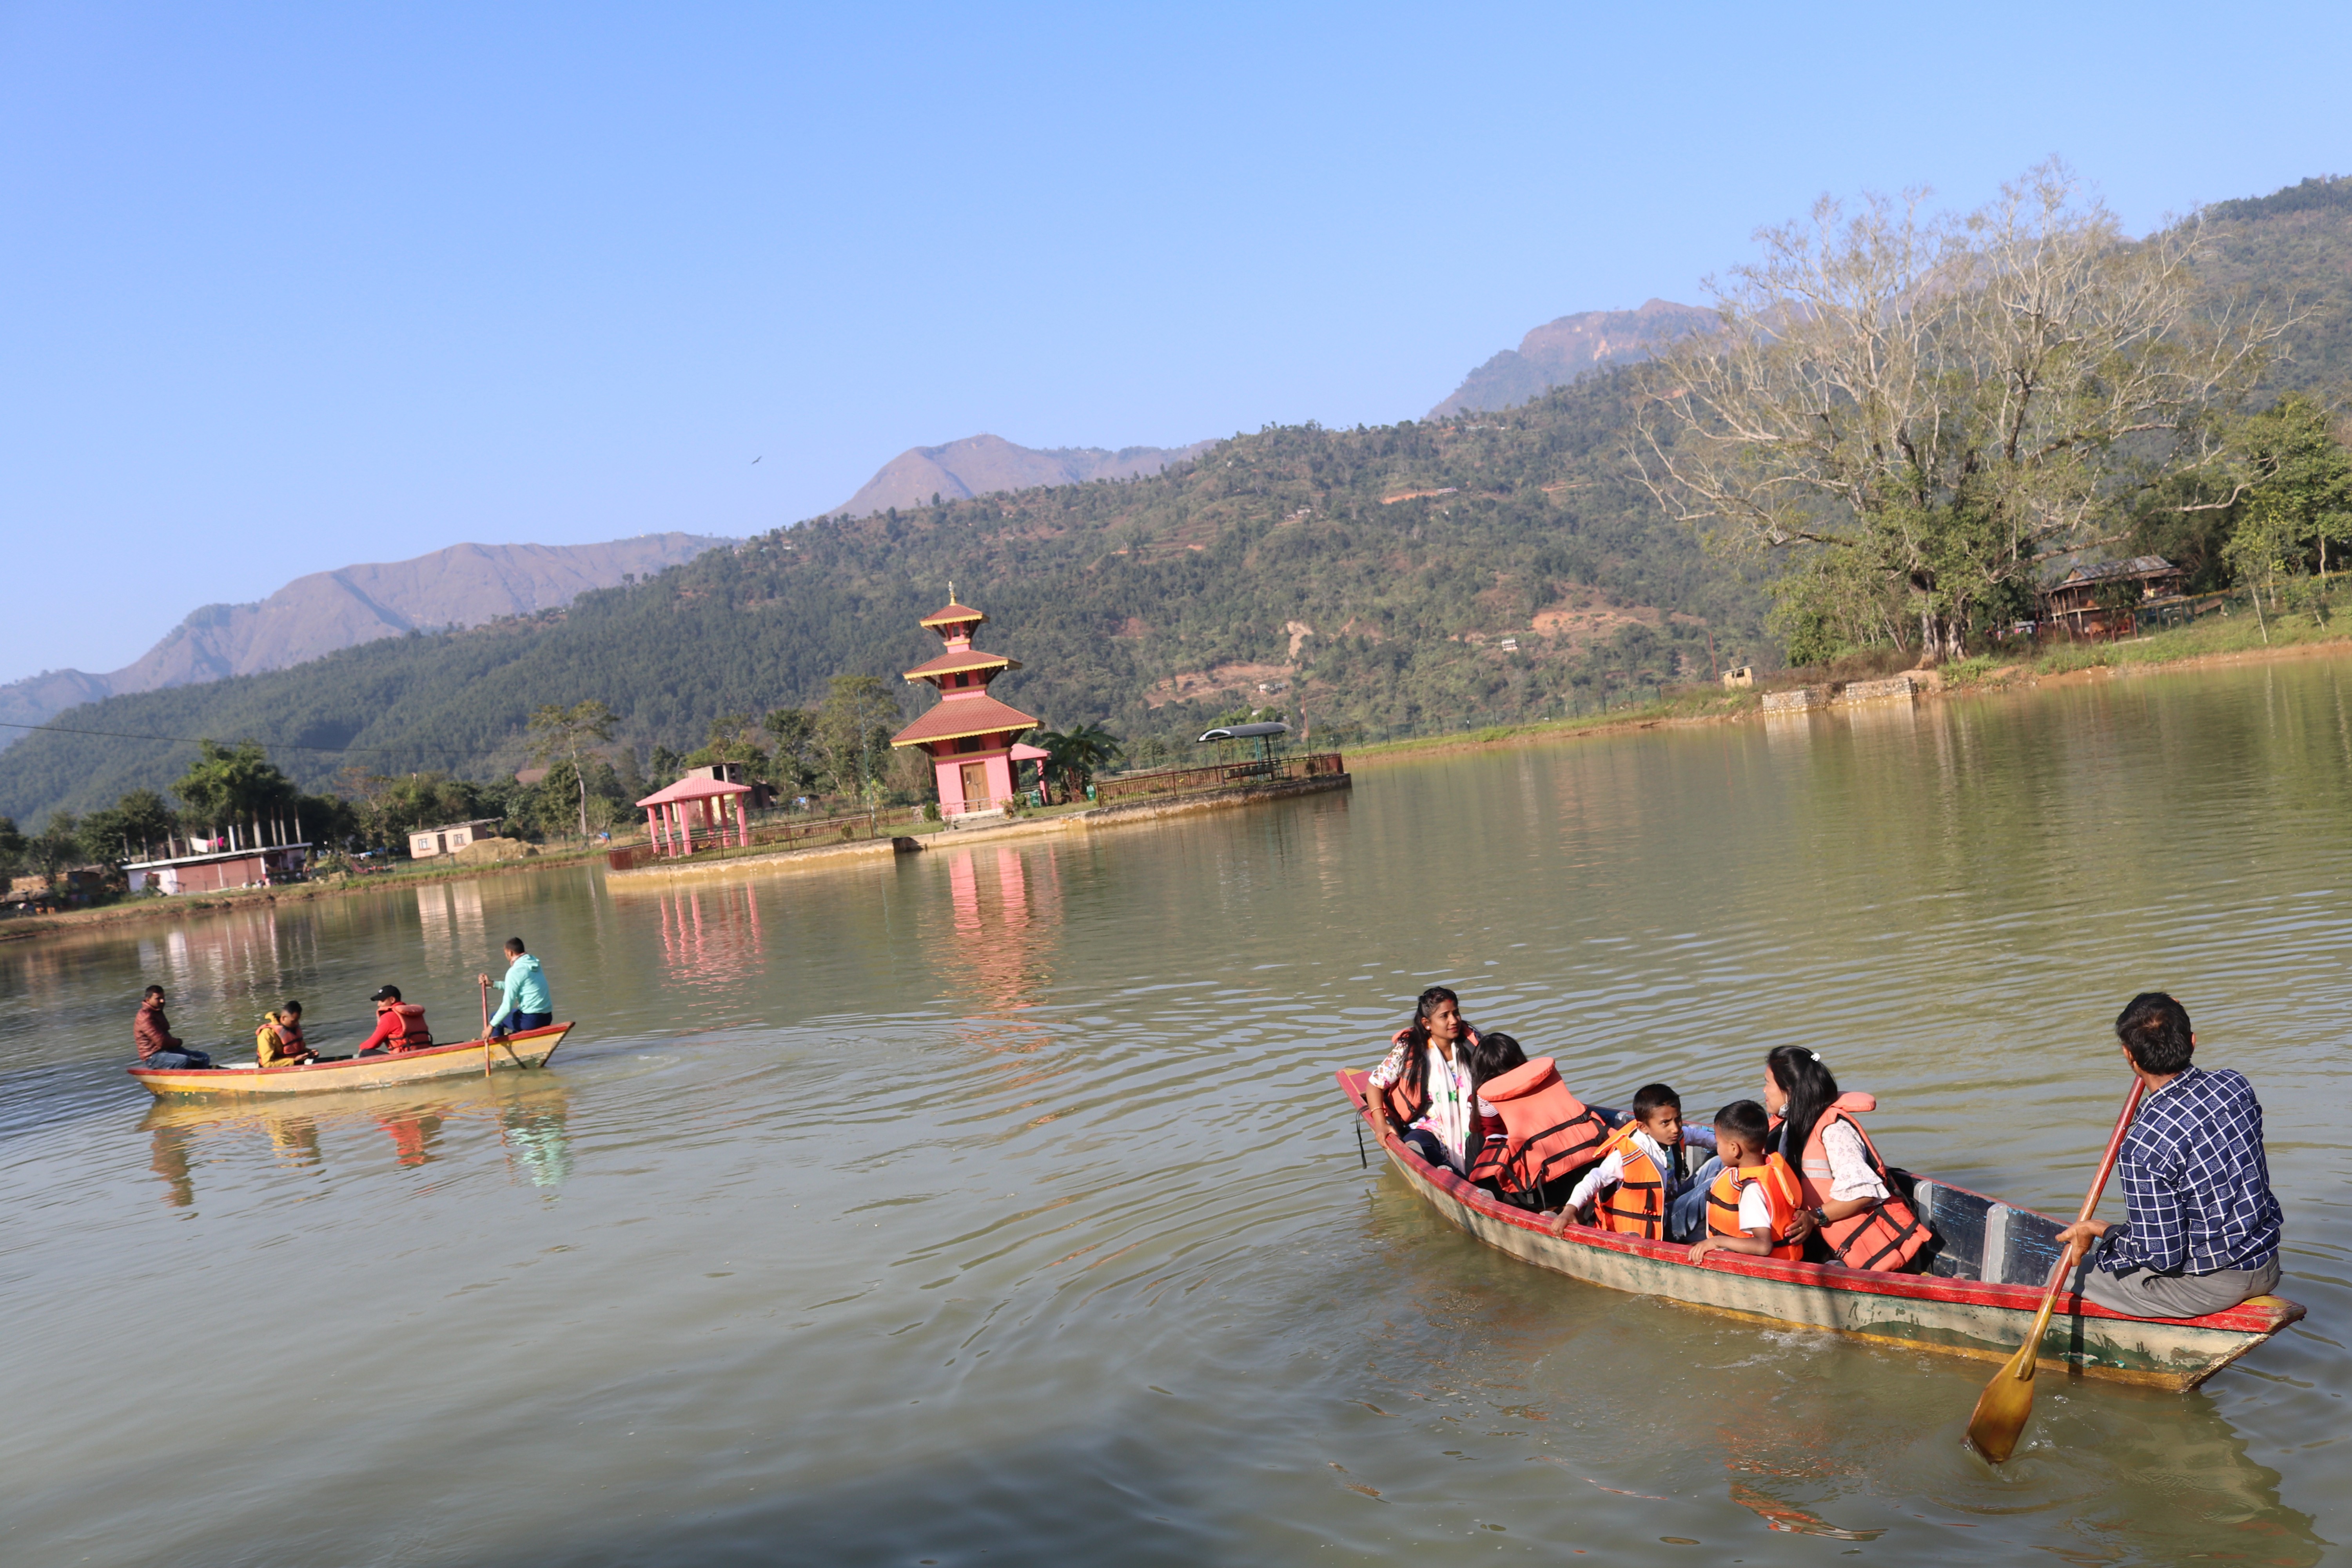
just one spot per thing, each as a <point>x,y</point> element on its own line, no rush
<point>1075,757</point>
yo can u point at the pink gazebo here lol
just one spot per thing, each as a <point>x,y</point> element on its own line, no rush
<point>1022,752</point>
<point>692,806</point>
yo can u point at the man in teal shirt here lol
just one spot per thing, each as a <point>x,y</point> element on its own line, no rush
<point>523,1004</point>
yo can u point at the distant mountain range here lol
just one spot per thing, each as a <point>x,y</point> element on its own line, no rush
<point>464,585</point>
<point>985,465</point>
<point>1559,352</point>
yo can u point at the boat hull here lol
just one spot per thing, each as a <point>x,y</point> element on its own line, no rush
<point>462,1059</point>
<point>1958,1317</point>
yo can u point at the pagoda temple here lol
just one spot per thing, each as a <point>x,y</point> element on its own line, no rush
<point>969,734</point>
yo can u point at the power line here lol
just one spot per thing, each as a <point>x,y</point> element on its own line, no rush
<point>197,740</point>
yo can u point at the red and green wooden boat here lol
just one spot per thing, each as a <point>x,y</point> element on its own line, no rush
<point>461,1059</point>
<point>1977,1299</point>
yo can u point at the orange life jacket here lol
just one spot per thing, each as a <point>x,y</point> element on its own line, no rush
<point>1782,1193</point>
<point>276,1041</point>
<point>1886,1236</point>
<point>1636,1205</point>
<point>412,1035</point>
<point>1549,1137</point>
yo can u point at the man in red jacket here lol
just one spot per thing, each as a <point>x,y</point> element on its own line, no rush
<point>158,1046</point>
<point>399,1025</point>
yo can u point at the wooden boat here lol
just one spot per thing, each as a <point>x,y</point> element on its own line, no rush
<point>1978,1297</point>
<point>462,1059</point>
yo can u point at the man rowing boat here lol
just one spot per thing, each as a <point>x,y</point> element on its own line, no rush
<point>523,1003</point>
<point>2200,1229</point>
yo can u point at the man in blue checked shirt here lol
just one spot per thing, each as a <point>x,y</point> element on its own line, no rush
<point>2200,1229</point>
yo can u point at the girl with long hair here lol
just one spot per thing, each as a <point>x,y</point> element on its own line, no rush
<point>1848,1199</point>
<point>1426,1086</point>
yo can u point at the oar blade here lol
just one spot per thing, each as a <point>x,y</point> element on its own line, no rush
<point>2004,1407</point>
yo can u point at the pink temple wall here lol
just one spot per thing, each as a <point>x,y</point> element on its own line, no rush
<point>950,771</point>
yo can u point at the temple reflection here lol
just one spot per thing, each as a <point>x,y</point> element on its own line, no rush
<point>1004,924</point>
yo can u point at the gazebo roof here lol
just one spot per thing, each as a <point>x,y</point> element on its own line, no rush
<point>951,663</point>
<point>957,717</point>
<point>1024,753</point>
<point>694,789</point>
<point>955,612</point>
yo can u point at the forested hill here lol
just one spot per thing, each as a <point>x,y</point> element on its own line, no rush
<point>1373,573</point>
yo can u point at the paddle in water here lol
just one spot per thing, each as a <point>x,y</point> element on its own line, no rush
<point>486,1026</point>
<point>2007,1402</point>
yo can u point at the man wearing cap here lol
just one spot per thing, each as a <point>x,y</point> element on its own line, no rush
<point>399,1025</point>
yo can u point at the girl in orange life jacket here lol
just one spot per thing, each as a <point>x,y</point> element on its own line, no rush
<point>1751,1207</point>
<point>1423,1085</point>
<point>1547,1136</point>
<point>1847,1199</point>
<point>1639,1169</point>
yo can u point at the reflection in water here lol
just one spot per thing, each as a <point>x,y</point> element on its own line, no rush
<point>295,1139</point>
<point>527,1108</point>
<point>450,916</point>
<point>995,950</point>
<point>168,1157</point>
<point>1788,1516</point>
<point>537,1142</point>
<point>413,1133</point>
<point>711,937</point>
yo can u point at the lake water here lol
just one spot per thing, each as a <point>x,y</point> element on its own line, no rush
<point>997,1204</point>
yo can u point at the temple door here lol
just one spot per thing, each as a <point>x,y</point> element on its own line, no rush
<point>975,785</point>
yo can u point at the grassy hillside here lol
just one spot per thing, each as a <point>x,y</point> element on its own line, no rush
<point>1376,575</point>
<point>1156,604</point>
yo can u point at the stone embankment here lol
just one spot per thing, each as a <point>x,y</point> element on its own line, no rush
<point>656,873</point>
<point>1903,687</point>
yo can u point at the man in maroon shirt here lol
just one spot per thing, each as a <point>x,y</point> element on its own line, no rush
<point>158,1046</point>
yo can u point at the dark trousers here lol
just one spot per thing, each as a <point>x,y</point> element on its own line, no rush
<point>521,1023</point>
<point>178,1060</point>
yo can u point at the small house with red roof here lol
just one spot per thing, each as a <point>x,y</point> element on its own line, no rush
<point>969,734</point>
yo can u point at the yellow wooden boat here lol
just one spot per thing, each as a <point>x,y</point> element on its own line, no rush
<point>462,1059</point>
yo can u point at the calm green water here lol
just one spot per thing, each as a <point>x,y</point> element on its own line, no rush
<point>998,1205</point>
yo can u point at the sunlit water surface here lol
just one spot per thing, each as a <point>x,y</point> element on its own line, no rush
<point>997,1203</point>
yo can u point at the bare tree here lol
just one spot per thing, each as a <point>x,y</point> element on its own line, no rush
<point>1924,409</point>
<point>560,732</point>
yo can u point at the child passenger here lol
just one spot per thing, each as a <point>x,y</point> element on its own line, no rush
<point>1639,1172</point>
<point>1753,1203</point>
<point>278,1041</point>
<point>1544,1137</point>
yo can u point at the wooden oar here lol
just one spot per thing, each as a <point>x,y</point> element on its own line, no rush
<point>486,1025</point>
<point>2007,1400</point>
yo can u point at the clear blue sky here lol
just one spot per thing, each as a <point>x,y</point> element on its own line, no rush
<point>284,288</point>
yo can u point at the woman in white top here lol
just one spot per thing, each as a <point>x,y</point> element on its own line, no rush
<point>1425,1083</point>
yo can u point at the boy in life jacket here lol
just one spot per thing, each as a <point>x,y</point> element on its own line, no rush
<point>279,1042</point>
<point>1752,1203</point>
<point>1547,1136</point>
<point>399,1025</point>
<point>1848,1201</point>
<point>1634,1188</point>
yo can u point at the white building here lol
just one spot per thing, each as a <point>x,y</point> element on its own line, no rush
<point>431,841</point>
